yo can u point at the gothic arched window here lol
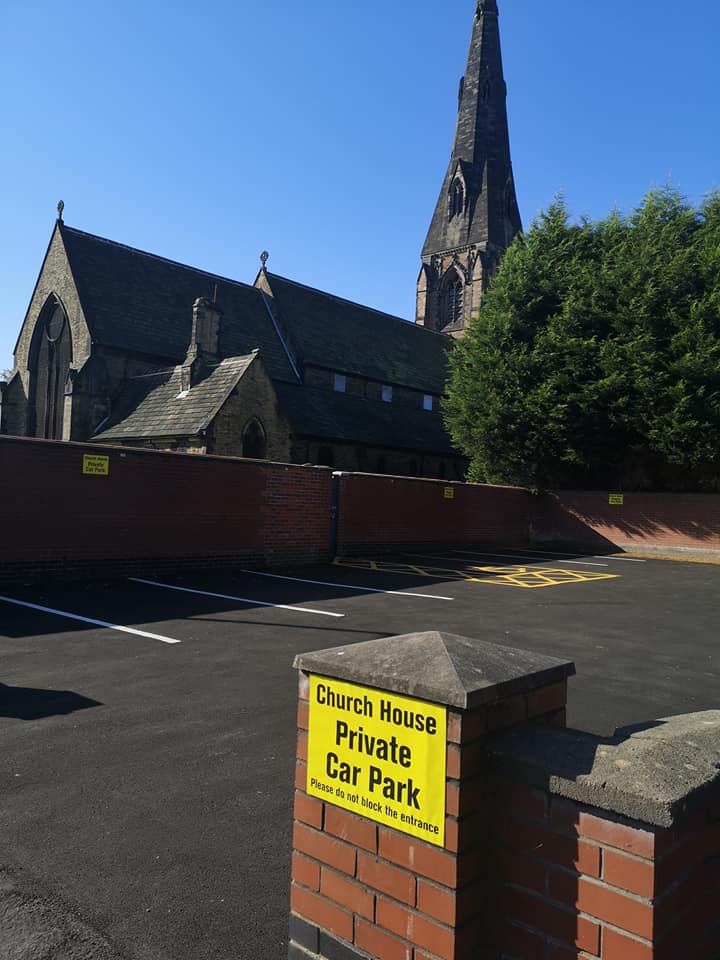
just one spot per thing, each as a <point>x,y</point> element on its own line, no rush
<point>457,198</point>
<point>50,359</point>
<point>254,441</point>
<point>454,301</point>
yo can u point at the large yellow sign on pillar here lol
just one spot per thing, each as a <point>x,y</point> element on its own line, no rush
<point>380,755</point>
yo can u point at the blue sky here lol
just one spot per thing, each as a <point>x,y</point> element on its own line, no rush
<point>321,131</point>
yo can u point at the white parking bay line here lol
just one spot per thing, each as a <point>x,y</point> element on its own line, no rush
<point>535,559</point>
<point>96,623</point>
<point>597,556</point>
<point>347,586</point>
<point>624,559</point>
<point>225,596</point>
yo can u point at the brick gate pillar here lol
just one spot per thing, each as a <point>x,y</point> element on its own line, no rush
<point>392,844</point>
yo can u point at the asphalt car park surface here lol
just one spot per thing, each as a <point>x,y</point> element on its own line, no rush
<point>147,776</point>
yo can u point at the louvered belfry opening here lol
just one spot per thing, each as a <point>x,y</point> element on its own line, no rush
<point>457,199</point>
<point>50,359</point>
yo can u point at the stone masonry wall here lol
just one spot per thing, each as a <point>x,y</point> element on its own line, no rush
<point>95,385</point>
<point>254,396</point>
<point>55,277</point>
<point>14,411</point>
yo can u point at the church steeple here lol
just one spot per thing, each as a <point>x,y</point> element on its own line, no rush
<point>477,216</point>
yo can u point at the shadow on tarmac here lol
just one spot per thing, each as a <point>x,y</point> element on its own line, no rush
<point>27,703</point>
<point>110,600</point>
<point>233,621</point>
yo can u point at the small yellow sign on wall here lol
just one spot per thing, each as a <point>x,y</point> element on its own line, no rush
<point>96,466</point>
<point>449,493</point>
<point>617,499</point>
<point>379,755</point>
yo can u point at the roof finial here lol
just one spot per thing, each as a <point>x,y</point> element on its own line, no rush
<point>60,208</point>
<point>264,257</point>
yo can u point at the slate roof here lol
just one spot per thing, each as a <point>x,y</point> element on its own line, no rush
<point>340,335</point>
<point>315,412</point>
<point>152,405</point>
<point>141,302</point>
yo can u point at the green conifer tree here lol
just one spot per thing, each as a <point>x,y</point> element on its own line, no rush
<point>595,359</point>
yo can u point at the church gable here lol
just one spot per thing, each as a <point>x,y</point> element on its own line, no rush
<point>252,422</point>
<point>55,285</point>
<point>54,340</point>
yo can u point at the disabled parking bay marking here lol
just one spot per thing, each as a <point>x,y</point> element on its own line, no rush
<point>510,575</point>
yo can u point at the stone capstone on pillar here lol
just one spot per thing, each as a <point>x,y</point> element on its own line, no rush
<point>657,772</point>
<point>443,668</point>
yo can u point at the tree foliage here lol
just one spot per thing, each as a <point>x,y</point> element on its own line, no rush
<point>595,358</point>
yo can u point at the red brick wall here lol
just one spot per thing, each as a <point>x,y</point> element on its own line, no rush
<point>387,893</point>
<point>524,874</point>
<point>646,521</point>
<point>154,506</point>
<point>390,512</point>
<point>578,882</point>
<point>295,513</point>
<point>169,507</point>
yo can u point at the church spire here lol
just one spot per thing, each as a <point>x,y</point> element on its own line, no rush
<point>476,217</point>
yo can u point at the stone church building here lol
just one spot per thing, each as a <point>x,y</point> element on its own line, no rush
<point>125,347</point>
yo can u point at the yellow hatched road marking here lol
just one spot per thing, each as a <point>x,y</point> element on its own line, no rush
<point>529,578</point>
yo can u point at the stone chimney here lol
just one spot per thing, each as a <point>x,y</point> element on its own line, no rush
<point>204,340</point>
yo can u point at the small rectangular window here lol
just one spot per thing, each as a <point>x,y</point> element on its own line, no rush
<point>386,393</point>
<point>427,402</point>
<point>339,383</point>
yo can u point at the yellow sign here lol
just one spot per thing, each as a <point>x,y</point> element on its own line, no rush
<point>96,466</point>
<point>449,493</point>
<point>617,499</point>
<point>380,755</point>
